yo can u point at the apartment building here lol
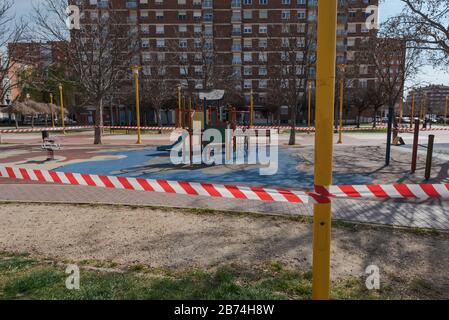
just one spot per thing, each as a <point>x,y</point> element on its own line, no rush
<point>231,44</point>
<point>431,98</point>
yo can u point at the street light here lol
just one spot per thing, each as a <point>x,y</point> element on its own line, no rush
<point>445,110</point>
<point>178,120</point>
<point>309,104</point>
<point>251,110</point>
<point>61,96</point>
<point>412,116</point>
<point>52,113</point>
<point>341,68</point>
<point>135,70</point>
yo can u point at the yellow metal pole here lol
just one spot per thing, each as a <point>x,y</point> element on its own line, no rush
<point>325,95</point>
<point>251,110</point>
<point>445,111</point>
<point>309,104</point>
<point>61,96</point>
<point>342,87</point>
<point>52,113</point>
<point>179,124</point>
<point>412,120</point>
<point>136,81</point>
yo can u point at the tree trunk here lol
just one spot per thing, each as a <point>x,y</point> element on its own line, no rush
<point>159,119</point>
<point>98,122</point>
<point>292,140</point>
<point>358,119</point>
<point>375,118</point>
<point>32,121</point>
<point>16,119</point>
<point>389,131</point>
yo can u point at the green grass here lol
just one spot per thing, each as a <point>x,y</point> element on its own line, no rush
<point>22,277</point>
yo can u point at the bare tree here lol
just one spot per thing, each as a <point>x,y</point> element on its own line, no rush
<point>11,32</point>
<point>425,24</point>
<point>99,53</point>
<point>291,69</point>
<point>156,87</point>
<point>395,63</point>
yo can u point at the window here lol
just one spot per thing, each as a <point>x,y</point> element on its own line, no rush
<point>263,43</point>
<point>247,29</point>
<point>182,15</point>
<point>263,28</point>
<point>248,71</point>
<point>263,14</point>
<point>248,84</point>
<point>285,15</point>
<point>248,43</point>
<point>182,28</point>
<point>247,14</point>
<point>263,57</point>
<point>159,29</point>
<point>247,57</point>
<point>263,71</point>
<point>263,84</point>
<point>263,2</point>
<point>160,43</point>
<point>183,43</point>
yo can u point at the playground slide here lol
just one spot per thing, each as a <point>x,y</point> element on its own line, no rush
<point>169,147</point>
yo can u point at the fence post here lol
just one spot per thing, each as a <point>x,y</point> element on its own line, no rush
<point>415,146</point>
<point>429,156</point>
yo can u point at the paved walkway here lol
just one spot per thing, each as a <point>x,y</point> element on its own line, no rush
<point>430,214</point>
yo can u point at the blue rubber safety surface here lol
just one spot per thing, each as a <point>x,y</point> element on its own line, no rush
<point>151,164</point>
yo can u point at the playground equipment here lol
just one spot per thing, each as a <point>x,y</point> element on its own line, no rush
<point>50,146</point>
<point>429,148</point>
<point>207,112</point>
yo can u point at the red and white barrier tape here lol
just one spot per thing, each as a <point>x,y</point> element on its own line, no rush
<point>45,129</point>
<point>141,128</point>
<point>321,194</point>
<point>163,186</point>
<point>393,191</point>
<point>304,129</point>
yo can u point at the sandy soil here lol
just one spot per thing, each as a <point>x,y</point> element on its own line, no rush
<point>176,240</point>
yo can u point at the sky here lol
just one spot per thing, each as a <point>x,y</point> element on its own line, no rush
<point>387,9</point>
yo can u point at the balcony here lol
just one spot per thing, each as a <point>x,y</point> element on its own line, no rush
<point>131,5</point>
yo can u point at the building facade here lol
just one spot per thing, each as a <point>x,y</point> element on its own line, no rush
<point>431,98</point>
<point>202,44</point>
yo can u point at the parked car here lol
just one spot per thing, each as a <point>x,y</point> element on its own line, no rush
<point>405,120</point>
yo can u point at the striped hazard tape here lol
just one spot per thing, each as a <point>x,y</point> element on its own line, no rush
<point>141,128</point>
<point>320,195</point>
<point>45,129</point>
<point>303,129</point>
<point>163,186</point>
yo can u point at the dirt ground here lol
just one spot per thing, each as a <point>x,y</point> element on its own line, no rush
<point>179,240</point>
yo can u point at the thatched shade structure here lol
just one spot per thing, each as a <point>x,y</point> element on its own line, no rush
<point>55,109</point>
<point>18,108</point>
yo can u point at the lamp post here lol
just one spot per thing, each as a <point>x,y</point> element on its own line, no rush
<point>325,95</point>
<point>445,110</point>
<point>52,113</point>
<point>309,104</point>
<point>61,97</point>
<point>179,124</point>
<point>135,70</point>
<point>341,68</point>
<point>251,110</point>
<point>412,116</point>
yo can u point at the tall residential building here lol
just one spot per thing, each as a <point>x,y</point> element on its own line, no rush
<point>432,98</point>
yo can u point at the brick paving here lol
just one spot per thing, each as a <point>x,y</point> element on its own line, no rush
<point>430,214</point>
